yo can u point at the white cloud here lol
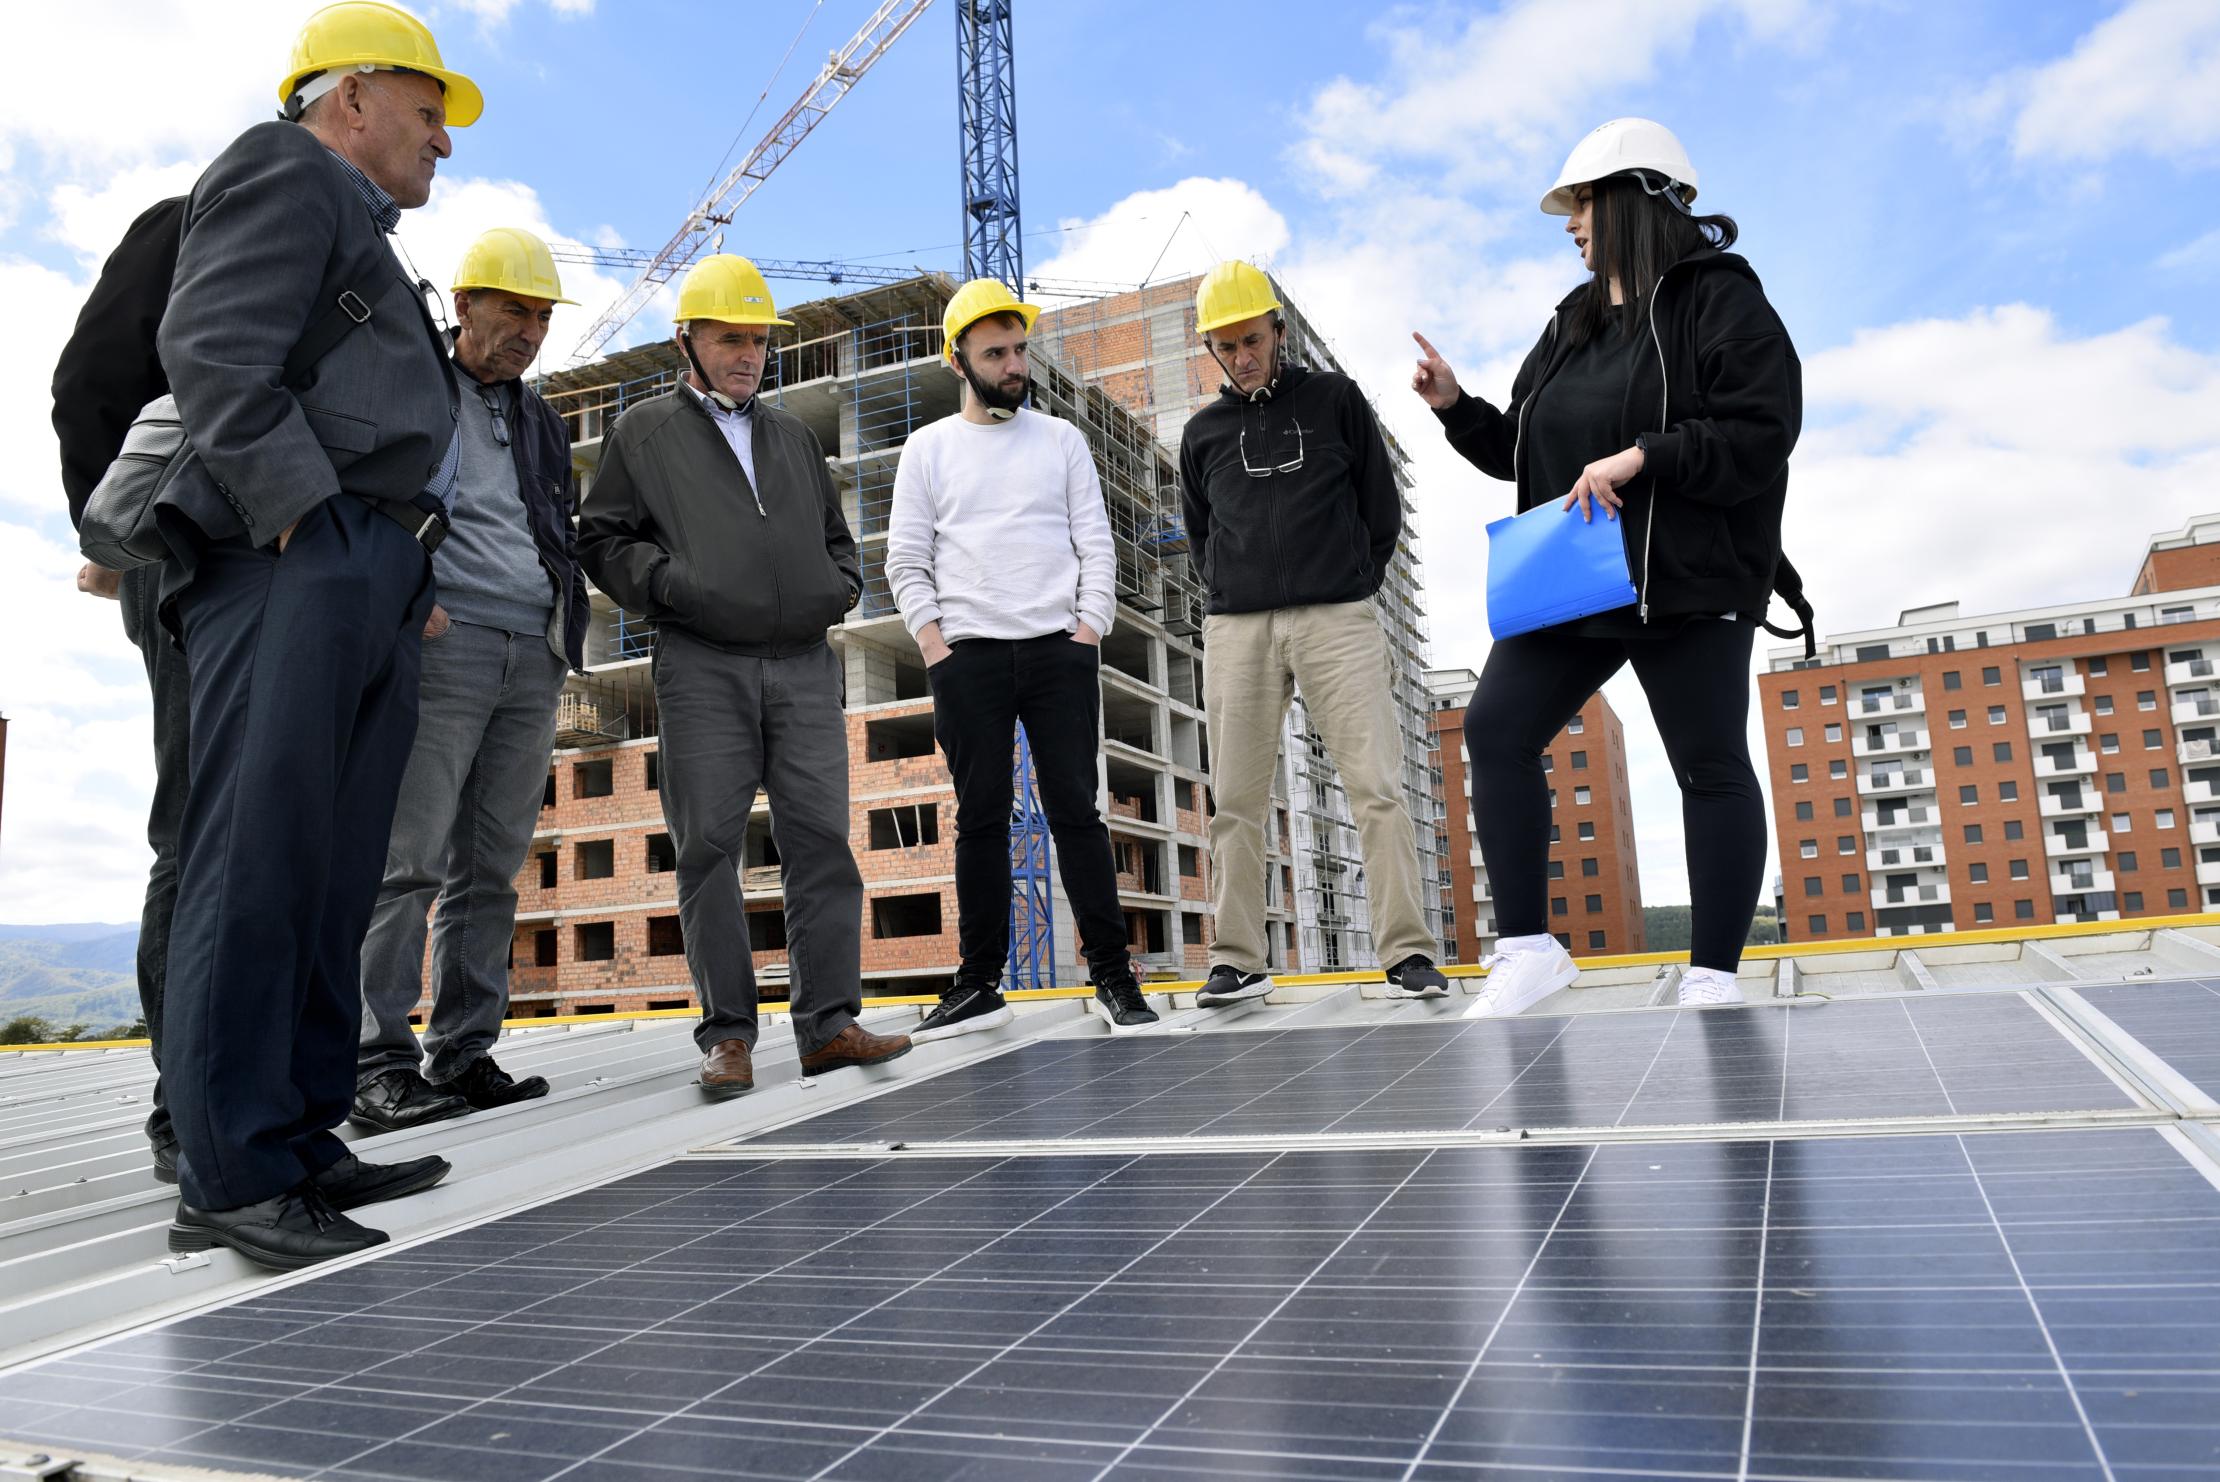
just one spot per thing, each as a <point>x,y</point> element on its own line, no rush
<point>2145,79</point>
<point>1179,230</point>
<point>2197,255</point>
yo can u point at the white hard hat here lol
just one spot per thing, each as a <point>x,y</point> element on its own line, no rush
<point>1620,145</point>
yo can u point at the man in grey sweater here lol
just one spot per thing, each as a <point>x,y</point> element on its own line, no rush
<point>509,625</point>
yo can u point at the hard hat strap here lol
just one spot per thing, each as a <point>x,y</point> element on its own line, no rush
<point>986,399</point>
<point>709,387</point>
<point>324,82</point>
<point>1671,189</point>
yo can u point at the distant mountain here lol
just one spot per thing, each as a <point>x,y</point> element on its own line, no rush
<point>70,974</point>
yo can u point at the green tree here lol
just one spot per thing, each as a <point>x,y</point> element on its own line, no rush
<point>26,1029</point>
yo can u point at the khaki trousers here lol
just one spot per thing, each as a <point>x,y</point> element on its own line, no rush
<point>1253,662</point>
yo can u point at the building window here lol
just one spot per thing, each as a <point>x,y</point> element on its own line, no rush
<point>1834,732</point>
<point>654,776</point>
<point>2108,742</point>
<point>1595,941</point>
<point>2127,862</point>
<point>2146,700</point>
<point>543,947</point>
<point>1557,906</point>
<point>2115,782</point>
<point>2169,859</point>
<point>1555,870</point>
<point>1957,720</point>
<point>2014,829</point>
<point>1980,873</point>
<point>1996,715</point>
<point>596,859</point>
<point>1951,681</point>
<point>1589,868</point>
<point>664,937</point>
<point>1795,735</point>
<point>1593,904</point>
<point>2008,791</point>
<point>1992,675</point>
<point>1973,833</point>
<point>1587,830</point>
<point>1803,812</point>
<point>1809,849</point>
<point>1969,794</point>
<point>2024,910</point>
<point>547,870</point>
<point>2000,751</point>
<point>1789,701</point>
<point>906,916</point>
<point>1849,884</point>
<point>1838,769</point>
<point>1575,726</point>
<point>2104,705</point>
<point>1549,763</point>
<point>2017,869</point>
<point>662,854</point>
<point>2099,666</point>
<point>1580,761</point>
<point>904,827</point>
<point>593,779</point>
<point>1818,925</point>
<point>2140,662</point>
<point>547,793</point>
<point>2152,740</point>
<point>1813,885</point>
<point>766,931</point>
<point>1961,756</point>
<point>1799,772</point>
<point>2164,818</point>
<point>1842,807</point>
<point>1556,834</point>
<point>2158,778</point>
<point>1983,913</point>
<point>2133,900</point>
<point>594,941</point>
<point>2177,900</point>
<point>1826,694</point>
<point>1190,862</point>
<point>1580,797</point>
<point>1855,921</point>
<point>2120,822</point>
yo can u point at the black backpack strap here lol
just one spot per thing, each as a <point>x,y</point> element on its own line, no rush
<point>1788,585</point>
<point>337,321</point>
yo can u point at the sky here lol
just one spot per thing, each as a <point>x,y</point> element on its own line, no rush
<point>1990,227</point>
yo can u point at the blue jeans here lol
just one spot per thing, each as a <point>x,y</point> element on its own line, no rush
<point>485,720</point>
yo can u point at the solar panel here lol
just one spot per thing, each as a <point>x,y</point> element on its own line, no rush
<point>1972,1055</point>
<point>2179,1022</point>
<point>2030,1305</point>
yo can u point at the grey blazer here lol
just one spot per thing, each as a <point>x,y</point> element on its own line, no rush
<point>274,233</point>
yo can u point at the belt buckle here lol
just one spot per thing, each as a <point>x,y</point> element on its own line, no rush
<point>352,305</point>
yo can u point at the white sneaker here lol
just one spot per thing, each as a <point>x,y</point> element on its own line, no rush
<point>1516,981</point>
<point>1704,986</point>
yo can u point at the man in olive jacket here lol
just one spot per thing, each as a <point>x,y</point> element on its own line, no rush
<point>714,515</point>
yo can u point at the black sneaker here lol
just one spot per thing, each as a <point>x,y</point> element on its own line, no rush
<point>486,1085</point>
<point>964,1009</point>
<point>1118,1003</point>
<point>1416,977</point>
<point>1229,985</point>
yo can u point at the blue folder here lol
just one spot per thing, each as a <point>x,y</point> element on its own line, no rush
<point>1550,566</point>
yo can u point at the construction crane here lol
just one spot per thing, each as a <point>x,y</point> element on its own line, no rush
<point>841,72</point>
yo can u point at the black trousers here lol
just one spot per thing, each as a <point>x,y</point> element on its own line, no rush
<point>303,709</point>
<point>1697,678</point>
<point>140,597</point>
<point>982,691</point>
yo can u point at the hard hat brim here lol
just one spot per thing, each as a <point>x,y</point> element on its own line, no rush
<point>684,319</point>
<point>1560,202</point>
<point>1030,313</point>
<point>465,102</point>
<point>505,288</point>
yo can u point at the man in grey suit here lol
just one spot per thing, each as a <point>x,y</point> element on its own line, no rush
<point>299,583</point>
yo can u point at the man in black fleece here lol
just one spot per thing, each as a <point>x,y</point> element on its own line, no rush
<point>1292,519</point>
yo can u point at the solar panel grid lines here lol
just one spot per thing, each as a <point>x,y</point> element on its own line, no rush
<point>2179,1023</point>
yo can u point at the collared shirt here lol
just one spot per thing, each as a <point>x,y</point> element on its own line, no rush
<point>386,212</point>
<point>738,428</point>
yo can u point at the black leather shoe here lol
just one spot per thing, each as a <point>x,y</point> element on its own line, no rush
<point>400,1098</point>
<point>297,1228</point>
<point>486,1085</point>
<point>165,1161</point>
<point>351,1183</point>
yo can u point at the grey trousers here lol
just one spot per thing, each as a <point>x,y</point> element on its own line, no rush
<point>471,794</point>
<point>732,726</point>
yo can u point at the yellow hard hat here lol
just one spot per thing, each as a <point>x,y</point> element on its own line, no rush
<point>509,259</point>
<point>729,290</point>
<point>981,298</point>
<point>364,33</point>
<point>1231,292</point>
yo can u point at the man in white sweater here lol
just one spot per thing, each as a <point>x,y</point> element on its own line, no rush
<point>1000,558</point>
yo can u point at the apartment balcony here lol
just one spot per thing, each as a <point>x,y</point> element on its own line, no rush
<point>2190,671</point>
<point>2043,728</point>
<point>2063,882</point>
<point>2091,801</point>
<point>2202,750</point>
<point>1906,818</point>
<point>2069,918</point>
<point>1911,895</point>
<point>1892,743</point>
<point>2083,763</point>
<point>2065,686</point>
<point>2199,790</point>
<point>2096,842</point>
<point>2190,709</point>
<point>1897,704</point>
<point>1908,779</point>
<point>1905,857</point>
<point>2204,831</point>
<point>2208,872</point>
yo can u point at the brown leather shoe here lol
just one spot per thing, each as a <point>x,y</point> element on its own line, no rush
<point>726,1070</point>
<point>854,1045</point>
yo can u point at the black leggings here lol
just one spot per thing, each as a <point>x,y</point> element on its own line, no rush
<point>1697,678</point>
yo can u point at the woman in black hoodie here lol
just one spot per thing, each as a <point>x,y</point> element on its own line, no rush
<point>1665,395</point>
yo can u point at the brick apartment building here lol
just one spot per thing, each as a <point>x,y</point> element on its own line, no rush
<point>1595,880</point>
<point>1955,772</point>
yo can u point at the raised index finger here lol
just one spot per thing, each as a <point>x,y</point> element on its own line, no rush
<point>1426,345</point>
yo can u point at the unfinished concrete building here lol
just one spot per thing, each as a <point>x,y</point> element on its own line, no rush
<point>598,916</point>
<point>1142,348</point>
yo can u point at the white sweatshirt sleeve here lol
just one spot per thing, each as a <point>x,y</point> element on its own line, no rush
<point>909,537</point>
<point>1090,534</point>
